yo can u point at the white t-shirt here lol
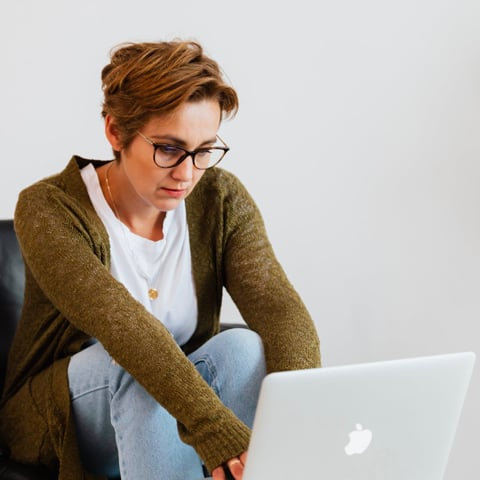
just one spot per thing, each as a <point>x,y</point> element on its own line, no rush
<point>141,264</point>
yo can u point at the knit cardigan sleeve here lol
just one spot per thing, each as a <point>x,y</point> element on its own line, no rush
<point>257,283</point>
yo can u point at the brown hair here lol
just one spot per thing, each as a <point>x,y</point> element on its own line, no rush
<point>147,79</point>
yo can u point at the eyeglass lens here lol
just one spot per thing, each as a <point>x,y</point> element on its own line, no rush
<point>168,156</point>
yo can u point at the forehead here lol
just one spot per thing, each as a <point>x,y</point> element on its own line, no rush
<point>190,119</point>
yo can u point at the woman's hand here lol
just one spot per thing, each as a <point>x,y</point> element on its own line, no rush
<point>236,466</point>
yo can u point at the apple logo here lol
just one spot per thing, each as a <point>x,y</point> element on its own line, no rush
<point>360,440</point>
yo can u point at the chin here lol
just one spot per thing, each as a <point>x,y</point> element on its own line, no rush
<point>169,205</point>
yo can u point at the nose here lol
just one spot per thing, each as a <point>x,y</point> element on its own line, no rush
<point>184,171</point>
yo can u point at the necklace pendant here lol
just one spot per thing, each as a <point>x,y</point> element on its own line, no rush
<point>152,293</point>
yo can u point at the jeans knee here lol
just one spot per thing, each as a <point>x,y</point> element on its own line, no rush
<point>251,343</point>
<point>245,348</point>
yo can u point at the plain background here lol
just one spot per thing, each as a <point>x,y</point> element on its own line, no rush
<point>358,136</point>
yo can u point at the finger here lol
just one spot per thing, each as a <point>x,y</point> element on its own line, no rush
<point>235,466</point>
<point>218,474</point>
<point>243,457</point>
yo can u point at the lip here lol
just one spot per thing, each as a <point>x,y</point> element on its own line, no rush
<point>175,192</point>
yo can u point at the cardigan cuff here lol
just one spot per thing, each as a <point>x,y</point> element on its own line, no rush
<point>221,443</point>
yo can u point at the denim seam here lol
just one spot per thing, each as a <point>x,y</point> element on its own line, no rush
<point>86,392</point>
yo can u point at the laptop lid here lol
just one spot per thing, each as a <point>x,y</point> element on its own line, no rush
<point>392,420</point>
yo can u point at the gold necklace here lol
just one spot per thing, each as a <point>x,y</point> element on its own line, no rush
<point>152,292</point>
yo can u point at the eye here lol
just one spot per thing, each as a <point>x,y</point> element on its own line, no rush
<point>204,152</point>
<point>165,149</point>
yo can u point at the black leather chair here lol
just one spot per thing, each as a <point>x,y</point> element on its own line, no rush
<point>12,283</point>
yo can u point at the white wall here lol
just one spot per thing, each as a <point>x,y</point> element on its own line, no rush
<point>358,135</point>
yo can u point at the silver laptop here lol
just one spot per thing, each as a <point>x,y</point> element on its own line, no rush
<point>393,420</point>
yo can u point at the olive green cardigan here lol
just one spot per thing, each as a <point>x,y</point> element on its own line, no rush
<point>71,296</point>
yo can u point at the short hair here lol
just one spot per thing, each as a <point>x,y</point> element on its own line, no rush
<point>148,79</point>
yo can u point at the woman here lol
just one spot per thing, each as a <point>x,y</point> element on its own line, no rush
<point>118,366</point>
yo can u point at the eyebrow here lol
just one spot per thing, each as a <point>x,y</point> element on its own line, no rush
<point>171,139</point>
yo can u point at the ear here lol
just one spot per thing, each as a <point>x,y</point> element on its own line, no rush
<point>112,133</point>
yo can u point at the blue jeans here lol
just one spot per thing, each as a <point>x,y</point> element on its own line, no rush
<point>122,430</point>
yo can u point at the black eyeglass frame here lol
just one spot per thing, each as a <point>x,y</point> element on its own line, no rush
<point>188,153</point>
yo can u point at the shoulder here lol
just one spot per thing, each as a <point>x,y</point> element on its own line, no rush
<point>220,187</point>
<point>219,179</point>
<point>62,198</point>
<point>220,201</point>
<point>68,181</point>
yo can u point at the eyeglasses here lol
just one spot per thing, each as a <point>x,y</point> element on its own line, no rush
<point>169,156</point>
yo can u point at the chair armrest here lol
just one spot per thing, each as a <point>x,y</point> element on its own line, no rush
<point>229,326</point>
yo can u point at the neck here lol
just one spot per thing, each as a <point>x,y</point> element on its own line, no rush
<point>145,224</point>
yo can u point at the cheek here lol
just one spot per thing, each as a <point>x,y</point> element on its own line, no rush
<point>197,175</point>
<point>142,170</point>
